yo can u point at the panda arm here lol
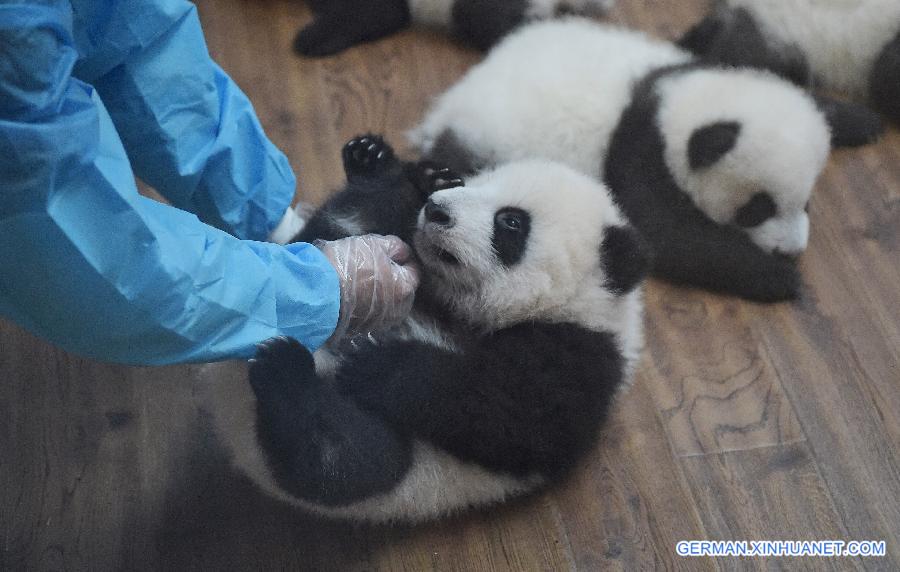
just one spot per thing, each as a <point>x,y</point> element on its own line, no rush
<point>694,251</point>
<point>381,195</point>
<point>524,400</point>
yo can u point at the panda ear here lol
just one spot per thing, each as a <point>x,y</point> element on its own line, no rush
<point>709,144</point>
<point>626,258</point>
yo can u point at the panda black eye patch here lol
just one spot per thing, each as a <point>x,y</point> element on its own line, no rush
<point>709,144</point>
<point>511,229</point>
<point>758,210</point>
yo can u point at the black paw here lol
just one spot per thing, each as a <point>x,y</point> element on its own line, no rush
<point>367,155</point>
<point>282,368</point>
<point>430,178</point>
<point>781,284</point>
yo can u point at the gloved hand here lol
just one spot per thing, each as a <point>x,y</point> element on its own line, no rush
<point>378,282</point>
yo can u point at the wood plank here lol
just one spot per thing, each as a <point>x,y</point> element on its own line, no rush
<point>775,493</point>
<point>627,505</point>
<point>711,378</point>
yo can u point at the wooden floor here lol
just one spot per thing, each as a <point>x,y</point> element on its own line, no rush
<point>746,421</point>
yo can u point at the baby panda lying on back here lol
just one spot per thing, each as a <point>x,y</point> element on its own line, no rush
<point>714,165</point>
<point>850,46</point>
<point>340,24</point>
<point>526,325</point>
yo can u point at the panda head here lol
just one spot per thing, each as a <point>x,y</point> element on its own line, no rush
<point>533,240</point>
<point>747,147</point>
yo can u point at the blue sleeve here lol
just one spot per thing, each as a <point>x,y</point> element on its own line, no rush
<point>88,263</point>
<point>188,129</point>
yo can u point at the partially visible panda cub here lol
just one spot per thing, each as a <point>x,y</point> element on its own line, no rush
<point>340,24</point>
<point>714,165</point>
<point>527,324</point>
<point>851,46</point>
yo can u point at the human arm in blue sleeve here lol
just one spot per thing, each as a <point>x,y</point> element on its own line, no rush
<point>88,263</point>
<point>188,129</point>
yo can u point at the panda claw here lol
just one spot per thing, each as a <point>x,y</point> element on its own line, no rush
<point>430,178</point>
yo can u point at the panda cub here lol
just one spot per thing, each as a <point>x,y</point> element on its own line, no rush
<point>340,24</point>
<point>850,46</point>
<point>526,325</point>
<point>715,166</point>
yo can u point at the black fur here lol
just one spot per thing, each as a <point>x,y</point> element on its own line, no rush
<point>320,446</point>
<point>884,82</point>
<point>483,23</point>
<point>510,241</point>
<point>449,150</point>
<point>528,399</point>
<point>689,247</point>
<point>709,144</point>
<point>851,124</point>
<point>732,36</point>
<point>340,24</point>
<point>626,258</point>
<point>758,210</point>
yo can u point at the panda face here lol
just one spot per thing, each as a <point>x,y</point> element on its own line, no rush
<point>749,155</point>
<point>529,240</point>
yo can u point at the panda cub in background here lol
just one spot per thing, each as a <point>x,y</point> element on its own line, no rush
<point>340,24</point>
<point>526,325</point>
<point>715,166</point>
<point>850,46</point>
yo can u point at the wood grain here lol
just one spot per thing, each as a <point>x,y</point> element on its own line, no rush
<point>745,421</point>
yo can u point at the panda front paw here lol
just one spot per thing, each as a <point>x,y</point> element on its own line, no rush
<point>282,368</point>
<point>430,177</point>
<point>367,155</point>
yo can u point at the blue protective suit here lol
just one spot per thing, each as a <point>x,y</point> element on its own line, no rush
<point>92,91</point>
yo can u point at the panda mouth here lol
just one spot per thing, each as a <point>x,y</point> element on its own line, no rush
<point>445,256</point>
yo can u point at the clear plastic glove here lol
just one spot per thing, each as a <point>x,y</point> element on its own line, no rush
<point>378,282</point>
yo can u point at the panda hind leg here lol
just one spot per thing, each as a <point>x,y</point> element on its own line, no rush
<point>341,24</point>
<point>320,447</point>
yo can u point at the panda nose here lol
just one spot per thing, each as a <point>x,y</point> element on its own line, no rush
<point>437,214</point>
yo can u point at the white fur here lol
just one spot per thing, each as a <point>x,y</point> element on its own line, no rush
<point>559,278</point>
<point>840,38</point>
<point>552,90</point>
<point>349,223</point>
<point>782,147</point>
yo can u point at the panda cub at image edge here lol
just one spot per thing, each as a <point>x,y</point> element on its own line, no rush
<point>340,24</point>
<point>849,46</point>
<point>527,324</point>
<point>735,153</point>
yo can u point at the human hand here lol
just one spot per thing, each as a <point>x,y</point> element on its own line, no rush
<point>378,281</point>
